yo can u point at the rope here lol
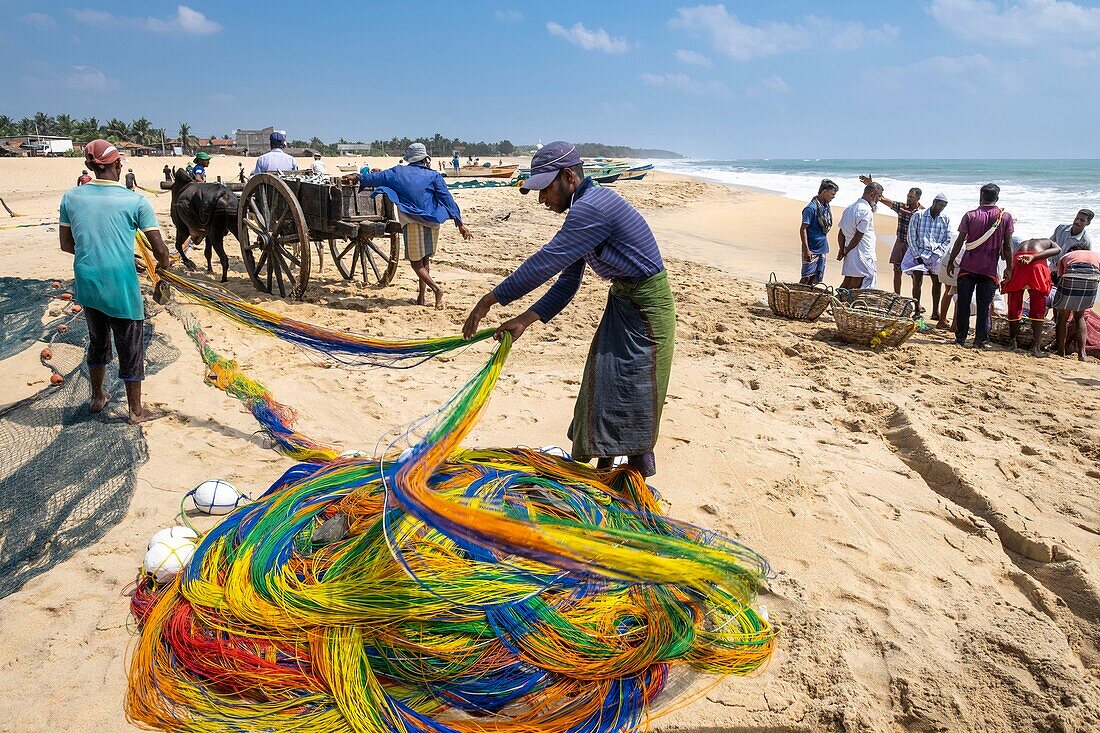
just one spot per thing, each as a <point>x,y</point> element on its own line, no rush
<point>433,588</point>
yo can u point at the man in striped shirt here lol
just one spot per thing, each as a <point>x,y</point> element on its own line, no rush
<point>622,394</point>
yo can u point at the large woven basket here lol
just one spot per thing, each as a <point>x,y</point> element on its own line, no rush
<point>859,324</point>
<point>998,332</point>
<point>798,301</point>
<point>891,303</point>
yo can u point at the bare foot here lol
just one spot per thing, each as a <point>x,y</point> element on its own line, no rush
<point>420,300</point>
<point>1012,345</point>
<point>98,403</point>
<point>439,299</point>
<point>1083,357</point>
<point>941,325</point>
<point>1037,353</point>
<point>145,416</point>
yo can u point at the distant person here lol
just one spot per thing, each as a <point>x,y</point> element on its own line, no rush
<point>167,170</point>
<point>202,159</point>
<point>1078,281</point>
<point>817,220</point>
<point>240,172</point>
<point>455,162</point>
<point>1067,235</point>
<point>131,179</point>
<point>905,211</point>
<point>1031,273</point>
<point>857,240</point>
<point>423,202</point>
<point>928,239</point>
<point>985,236</point>
<point>276,159</point>
<point>83,178</point>
<point>317,167</point>
<point>98,225</point>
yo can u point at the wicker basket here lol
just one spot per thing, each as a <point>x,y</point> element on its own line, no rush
<point>998,332</point>
<point>798,301</point>
<point>880,300</point>
<point>858,324</point>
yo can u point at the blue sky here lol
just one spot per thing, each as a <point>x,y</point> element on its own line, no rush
<point>938,78</point>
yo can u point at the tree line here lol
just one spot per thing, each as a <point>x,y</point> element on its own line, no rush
<point>143,132</point>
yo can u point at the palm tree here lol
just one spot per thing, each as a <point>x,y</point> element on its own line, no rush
<point>43,123</point>
<point>185,136</point>
<point>140,130</point>
<point>7,125</point>
<point>65,125</point>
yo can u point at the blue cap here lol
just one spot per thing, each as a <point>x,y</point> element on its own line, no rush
<point>277,138</point>
<point>547,162</point>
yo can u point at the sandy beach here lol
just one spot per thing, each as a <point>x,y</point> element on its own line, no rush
<point>932,514</point>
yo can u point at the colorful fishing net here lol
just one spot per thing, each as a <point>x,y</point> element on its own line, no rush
<point>440,589</point>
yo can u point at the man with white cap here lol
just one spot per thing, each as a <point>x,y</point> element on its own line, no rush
<point>423,202</point>
<point>622,393</point>
<point>276,159</point>
<point>928,240</point>
<point>98,224</point>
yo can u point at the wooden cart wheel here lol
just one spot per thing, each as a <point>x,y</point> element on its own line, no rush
<point>274,238</point>
<point>370,259</point>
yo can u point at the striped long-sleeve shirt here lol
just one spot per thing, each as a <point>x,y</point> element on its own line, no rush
<point>601,230</point>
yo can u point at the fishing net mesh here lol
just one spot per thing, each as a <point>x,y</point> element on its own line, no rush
<point>68,474</point>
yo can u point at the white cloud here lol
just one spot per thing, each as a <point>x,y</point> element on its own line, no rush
<point>597,40</point>
<point>186,21</point>
<point>1025,23</point>
<point>743,41</point>
<point>690,57</point>
<point>41,21</point>
<point>509,16</point>
<point>968,75</point>
<point>89,79</point>
<point>773,84</point>
<point>686,84</point>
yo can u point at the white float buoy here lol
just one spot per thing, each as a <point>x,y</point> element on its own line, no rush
<point>167,557</point>
<point>177,531</point>
<point>216,496</point>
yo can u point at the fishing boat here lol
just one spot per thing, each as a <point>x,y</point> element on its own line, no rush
<point>636,173</point>
<point>349,167</point>
<point>480,171</point>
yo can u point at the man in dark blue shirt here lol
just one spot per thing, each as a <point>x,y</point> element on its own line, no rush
<point>423,202</point>
<point>622,394</point>
<point>817,220</point>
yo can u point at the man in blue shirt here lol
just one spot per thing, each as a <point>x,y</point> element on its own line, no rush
<point>98,224</point>
<point>276,159</point>
<point>423,202</point>
<point>817,220</point>
<point>622,393</point>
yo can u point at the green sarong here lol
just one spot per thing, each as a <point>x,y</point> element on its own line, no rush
<point>622,393</point>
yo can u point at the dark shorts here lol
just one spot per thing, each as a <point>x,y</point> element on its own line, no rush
<point>897,254</point>
<point>129,342</point>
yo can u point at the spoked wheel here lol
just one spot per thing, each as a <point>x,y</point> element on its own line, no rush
<point>373,262</point>
<point>274,237</point>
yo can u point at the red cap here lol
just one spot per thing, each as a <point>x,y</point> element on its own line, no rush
<point>101,152</point>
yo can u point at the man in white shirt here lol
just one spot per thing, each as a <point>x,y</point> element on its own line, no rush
<point>1067,235</point>
<point>857,240</point>
<point>317,166</point>
<point>276,159</point>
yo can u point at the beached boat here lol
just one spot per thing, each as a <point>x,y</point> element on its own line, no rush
<point>480,171</point>
<point>636,173</point>
<point>349,167</point>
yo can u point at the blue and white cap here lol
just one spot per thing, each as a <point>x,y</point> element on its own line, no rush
<point>547,162</point>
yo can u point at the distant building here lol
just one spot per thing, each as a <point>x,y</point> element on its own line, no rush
<point>254,142</point>
<point>134,150</point>
<point>353,149</point>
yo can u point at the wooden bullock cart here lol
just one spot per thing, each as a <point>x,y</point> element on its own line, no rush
<point>281,215</point>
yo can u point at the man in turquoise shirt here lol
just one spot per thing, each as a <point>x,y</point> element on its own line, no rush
<point>98,224</point>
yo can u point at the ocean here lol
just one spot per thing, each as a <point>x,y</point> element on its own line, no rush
<point>1040,193</point>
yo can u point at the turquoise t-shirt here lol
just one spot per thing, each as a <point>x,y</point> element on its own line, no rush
<point>104,217</point>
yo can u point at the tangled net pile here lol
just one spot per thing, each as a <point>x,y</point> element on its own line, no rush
<point>440,589</point>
